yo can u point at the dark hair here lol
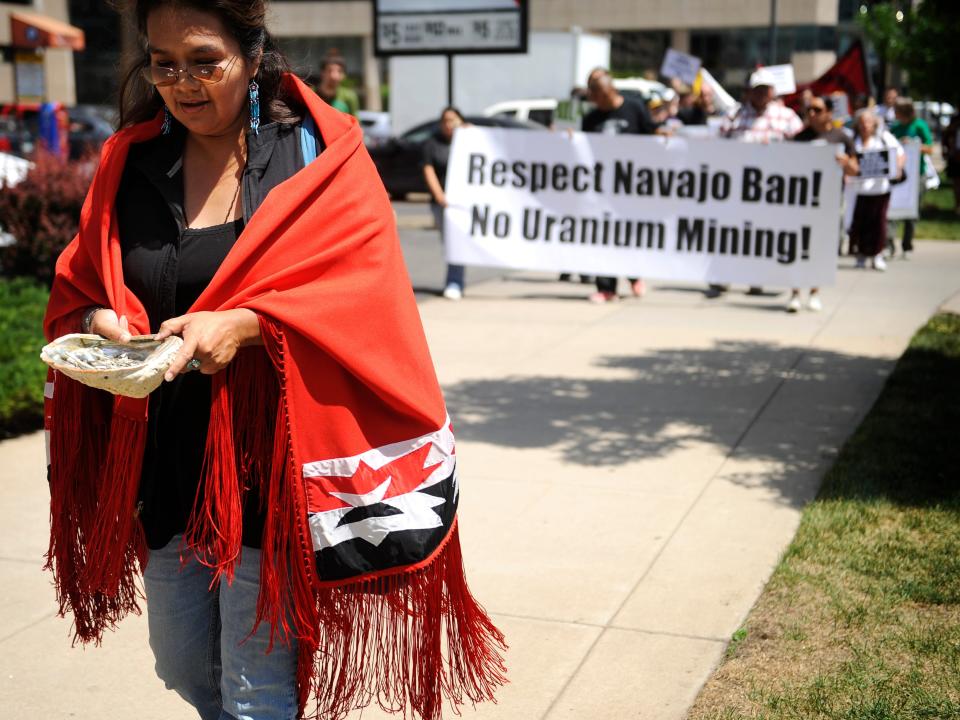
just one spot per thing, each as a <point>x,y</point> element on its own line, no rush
<point>333,59</point>
<point>827,102</point>
<point>245,21</point>
<point>904,106</point>
<point>451,108</point>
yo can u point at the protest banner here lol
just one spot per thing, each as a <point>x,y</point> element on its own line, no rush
<point>680,65</point>
<point>669,208</point>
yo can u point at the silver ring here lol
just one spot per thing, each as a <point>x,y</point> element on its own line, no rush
<point>193,364</point>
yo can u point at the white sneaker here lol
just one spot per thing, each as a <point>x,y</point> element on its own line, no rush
<point>452,292</point>
<point>794,304</point>
<point>879,263</point>
<point>814,304</point>
<point>906,255</point>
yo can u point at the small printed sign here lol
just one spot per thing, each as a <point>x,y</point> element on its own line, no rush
<point>878,163</point>
<point>784,82</point>
<point>680,65</point>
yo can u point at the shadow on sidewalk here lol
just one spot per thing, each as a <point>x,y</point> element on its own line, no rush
<point>667,400</point>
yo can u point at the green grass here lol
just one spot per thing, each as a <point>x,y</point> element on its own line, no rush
<point>938,221</point>
<point>22,304</point>
<point>861,619</point>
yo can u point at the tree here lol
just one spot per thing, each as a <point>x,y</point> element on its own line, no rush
<point>921,40</point>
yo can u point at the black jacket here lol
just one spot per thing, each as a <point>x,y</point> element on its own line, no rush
<point>150,205</point>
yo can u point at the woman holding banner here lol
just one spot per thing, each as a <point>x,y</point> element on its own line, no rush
<point>868,230</point>
<point>436,153</point>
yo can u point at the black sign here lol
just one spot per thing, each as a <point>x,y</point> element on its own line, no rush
<point>441,27</point>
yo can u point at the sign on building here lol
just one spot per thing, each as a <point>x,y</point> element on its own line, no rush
<point>28,71</point>
<point>439,27</point>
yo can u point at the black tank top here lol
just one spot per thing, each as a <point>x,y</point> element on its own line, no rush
<point>179,430</point>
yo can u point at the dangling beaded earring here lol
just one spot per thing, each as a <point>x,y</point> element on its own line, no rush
<point>254,107</point>
<point>167,120</point>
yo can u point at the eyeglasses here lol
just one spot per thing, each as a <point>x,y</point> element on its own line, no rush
<point>164,76</point>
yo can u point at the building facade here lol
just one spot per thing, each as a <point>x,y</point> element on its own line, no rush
<point>35,35</point>
<point>730,36</point>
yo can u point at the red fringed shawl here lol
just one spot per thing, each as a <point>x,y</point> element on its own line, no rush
<point>340,426</point>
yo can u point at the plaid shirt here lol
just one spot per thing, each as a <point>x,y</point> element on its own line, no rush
<point>778,122</point>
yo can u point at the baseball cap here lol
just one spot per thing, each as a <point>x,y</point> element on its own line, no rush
<point>761,76</point>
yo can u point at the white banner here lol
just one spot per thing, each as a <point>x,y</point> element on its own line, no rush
<point>642,206</point>
<point>905,197</point>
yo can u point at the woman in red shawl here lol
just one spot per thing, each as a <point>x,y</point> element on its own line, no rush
<point>290,492</point>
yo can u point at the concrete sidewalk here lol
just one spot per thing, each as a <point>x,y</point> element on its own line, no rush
<point>630,472</point>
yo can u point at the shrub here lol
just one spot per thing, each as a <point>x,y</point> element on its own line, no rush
<point>22,374</point>
<point>42,213</point>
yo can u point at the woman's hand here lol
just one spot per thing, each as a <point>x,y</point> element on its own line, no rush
<point>213,338</point>
<point>106,324</point>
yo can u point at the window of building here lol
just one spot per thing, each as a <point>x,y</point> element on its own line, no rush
<point>637,51</point>
<point>732,54</point>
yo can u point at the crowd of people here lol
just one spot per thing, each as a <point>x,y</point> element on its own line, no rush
<point>761,118</point>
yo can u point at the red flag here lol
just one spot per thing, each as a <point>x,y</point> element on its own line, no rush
<point>848,75</point>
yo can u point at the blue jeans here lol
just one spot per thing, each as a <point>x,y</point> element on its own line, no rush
<point>199,638</point>
<point>455,273</point>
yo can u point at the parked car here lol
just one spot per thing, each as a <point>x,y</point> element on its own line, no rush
<point>20,128</point>
<point>13,169</point>
<point>376,127</point>
<point>936,114</point>
<point>90,126</point>
<point>539,110</point>
<point>398,159</point>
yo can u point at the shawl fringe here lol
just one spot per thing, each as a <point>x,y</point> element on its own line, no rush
<point>97,548</point>
<point>403,641</point>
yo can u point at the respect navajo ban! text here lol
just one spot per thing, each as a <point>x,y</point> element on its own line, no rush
<point>693,234</point>
<point>676,209</point>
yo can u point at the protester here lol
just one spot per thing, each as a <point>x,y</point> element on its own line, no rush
<point>760,119</point>
<point>908,125</point>
<point>659,112</point>
<point>436,154</point>
<point>859,101</point>
<point>673,111</point>
<point>695,109</point>
<point>951,151</point>
<point>333,71</point>
<point>821,129</point>
<point>614,115</point>
<point>296,309</point>
<point>887,110</point>
<point>868,231</point>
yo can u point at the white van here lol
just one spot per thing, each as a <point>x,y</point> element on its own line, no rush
<point>541,110</point>
<point>643,88</point>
